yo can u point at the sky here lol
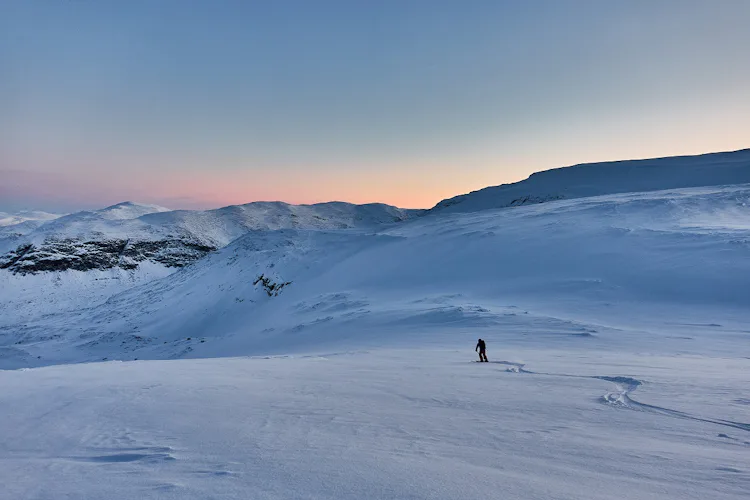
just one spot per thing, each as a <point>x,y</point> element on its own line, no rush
<point>202,104</point>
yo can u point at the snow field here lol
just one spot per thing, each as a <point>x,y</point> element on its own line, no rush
<point>374,424</point>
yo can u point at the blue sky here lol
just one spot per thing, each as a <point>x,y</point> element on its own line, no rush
<point>202,104</point>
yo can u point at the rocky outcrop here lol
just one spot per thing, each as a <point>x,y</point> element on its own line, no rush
<point>65,254</point>
<point>272,288</point>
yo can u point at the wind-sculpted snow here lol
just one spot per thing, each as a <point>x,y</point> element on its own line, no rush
<point>381,423</point>
<point>596,179</point>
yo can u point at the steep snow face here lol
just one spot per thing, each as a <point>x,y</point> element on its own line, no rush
<point>597,271</point>
<point>595,179</point>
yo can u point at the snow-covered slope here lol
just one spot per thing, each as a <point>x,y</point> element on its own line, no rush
<point>127,234</point>
<point>535,424</point>
<point>221,226</point>
<point>85,257</point>
<point>108,223</point>
<point>595,179</point>
<point>14,226</point>
<point>579,270</point>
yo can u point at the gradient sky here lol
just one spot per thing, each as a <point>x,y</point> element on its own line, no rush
<point>194,104</point>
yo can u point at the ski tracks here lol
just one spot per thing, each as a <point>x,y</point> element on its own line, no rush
<point>621,397</point>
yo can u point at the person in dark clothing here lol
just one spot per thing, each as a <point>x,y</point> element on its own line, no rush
<point>481,348</point>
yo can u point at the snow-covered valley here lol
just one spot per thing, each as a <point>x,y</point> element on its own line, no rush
<point>335,360</point>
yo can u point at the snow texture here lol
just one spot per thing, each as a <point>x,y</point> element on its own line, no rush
<point>383,424</point>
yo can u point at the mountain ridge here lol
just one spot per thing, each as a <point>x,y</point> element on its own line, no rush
<point>611,177</point>
<point>126,234</point>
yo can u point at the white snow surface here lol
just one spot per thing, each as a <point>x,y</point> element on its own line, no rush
<point>29,297</point>
<point>534,423</point>
<point>617,335</point>
<point>593,179</point>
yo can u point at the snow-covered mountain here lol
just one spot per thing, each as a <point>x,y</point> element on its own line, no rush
<point>8,219</point>
<point>85,257</point>
<point>594,179</point>
<point>127,210</point>
<point>14,226</point>
<point>552,267</point>
<point>128,234</point>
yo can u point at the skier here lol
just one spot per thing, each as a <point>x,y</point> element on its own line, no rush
<point>481,347</point>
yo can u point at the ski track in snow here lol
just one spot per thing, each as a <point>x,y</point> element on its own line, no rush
<point>622,397</point>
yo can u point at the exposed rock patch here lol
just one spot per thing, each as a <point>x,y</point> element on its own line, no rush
<point>65,254</point>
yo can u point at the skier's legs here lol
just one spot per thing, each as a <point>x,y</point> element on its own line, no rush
<point>483,356</point>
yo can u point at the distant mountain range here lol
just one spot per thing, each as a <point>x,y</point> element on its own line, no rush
<point>127,234</point>
<point>25,216</point>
